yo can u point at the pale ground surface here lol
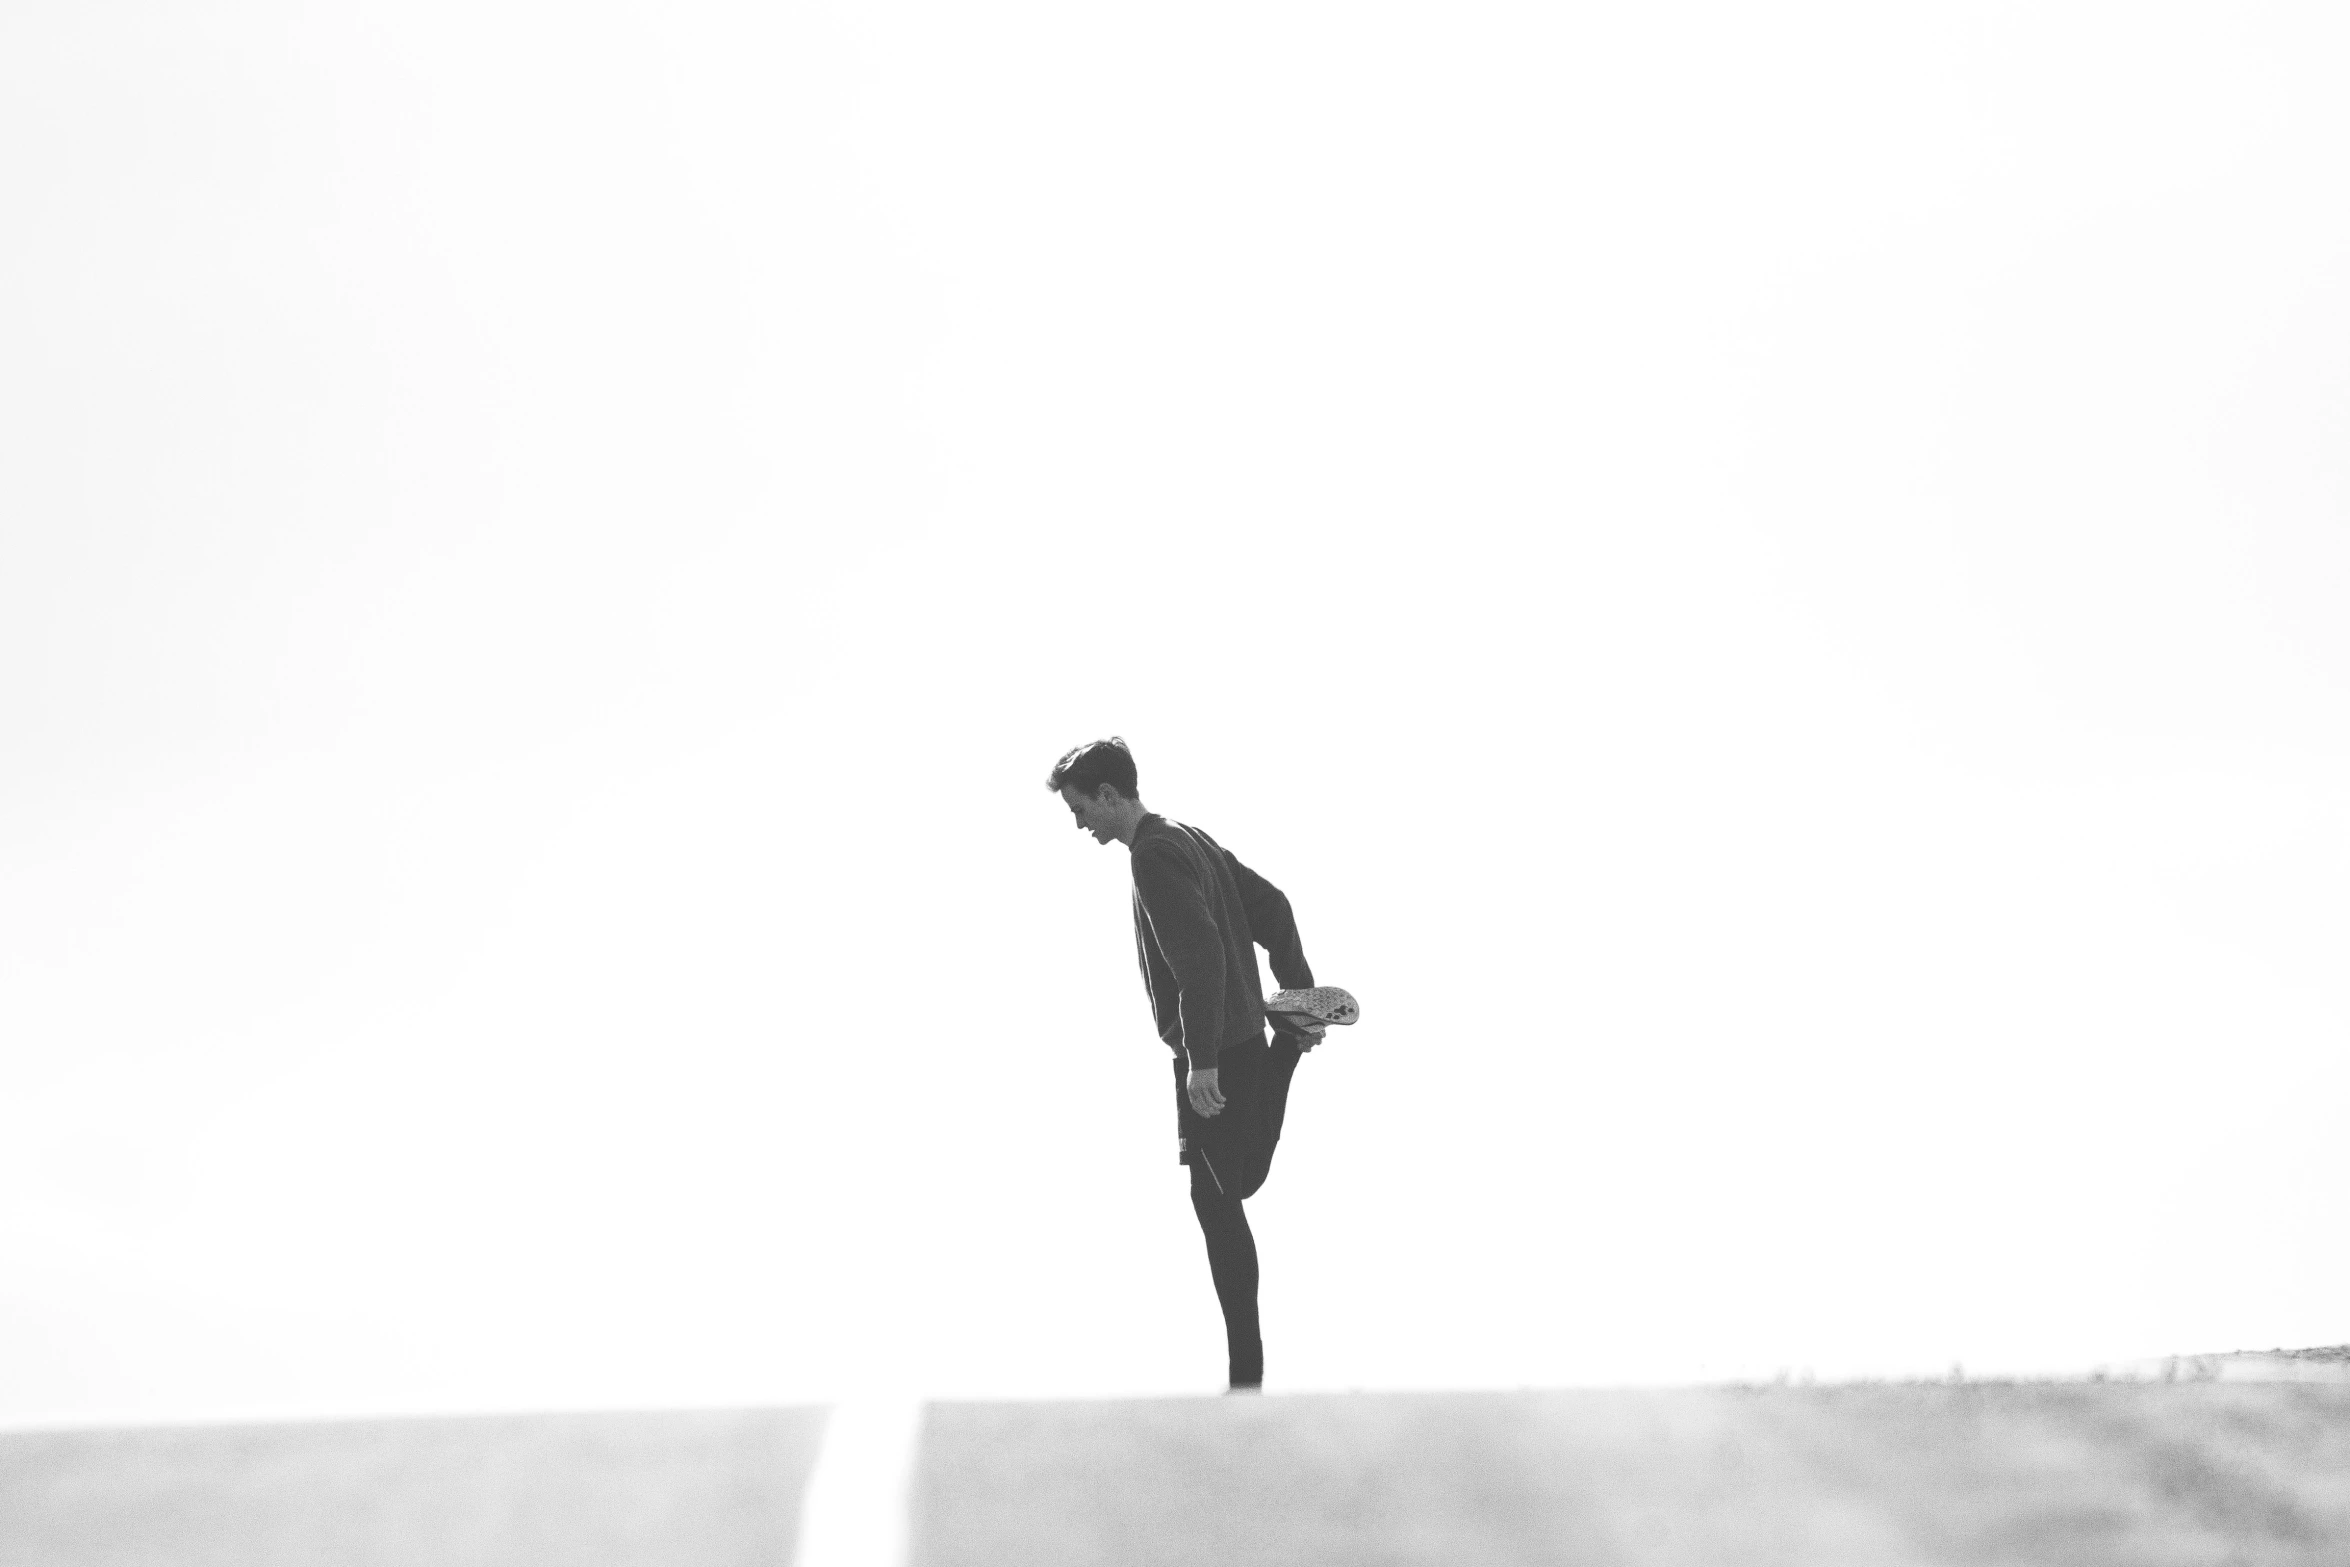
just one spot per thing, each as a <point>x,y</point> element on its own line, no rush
<point>2178,1475</point>
<point>2233,1461</point>
<point>715,1489</point>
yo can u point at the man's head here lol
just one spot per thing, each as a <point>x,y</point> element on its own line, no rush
<point>1096,782</point>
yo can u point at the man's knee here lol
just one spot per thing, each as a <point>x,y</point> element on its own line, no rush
<point>1257,1173</point>
<point>1219,1213</point>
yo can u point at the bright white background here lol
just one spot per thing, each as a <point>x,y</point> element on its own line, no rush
<point>1772,585</point>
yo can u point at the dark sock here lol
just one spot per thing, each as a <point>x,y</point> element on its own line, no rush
<point>1232,1262</point>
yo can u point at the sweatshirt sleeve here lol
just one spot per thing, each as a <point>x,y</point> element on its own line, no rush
<point>1272,925</point>
<point>1177,908</point>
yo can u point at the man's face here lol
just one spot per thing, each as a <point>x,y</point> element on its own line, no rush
<point>1093,814</point>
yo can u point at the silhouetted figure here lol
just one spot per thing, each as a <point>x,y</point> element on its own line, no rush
<point>1196,911</point>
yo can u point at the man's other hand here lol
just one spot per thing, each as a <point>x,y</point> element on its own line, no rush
<point>1206,1097</point>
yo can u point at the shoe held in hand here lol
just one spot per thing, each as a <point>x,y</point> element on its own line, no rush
<point>1322,1004</point>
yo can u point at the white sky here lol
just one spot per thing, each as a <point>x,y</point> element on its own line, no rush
<point>1771,586</point>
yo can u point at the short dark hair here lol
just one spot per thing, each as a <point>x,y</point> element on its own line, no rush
<point>1087,767</point>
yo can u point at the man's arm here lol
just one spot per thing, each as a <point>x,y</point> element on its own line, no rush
<point>1177,908</point>
<point>1272,926</point>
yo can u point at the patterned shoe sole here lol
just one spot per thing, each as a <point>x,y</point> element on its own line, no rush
<point>1323,1003</point>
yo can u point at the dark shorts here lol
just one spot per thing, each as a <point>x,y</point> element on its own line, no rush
<point>1230,1153</point>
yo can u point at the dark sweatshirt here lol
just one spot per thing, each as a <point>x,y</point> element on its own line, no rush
<point>1196,911</point>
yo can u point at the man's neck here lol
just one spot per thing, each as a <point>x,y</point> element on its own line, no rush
<point>1130,823</point>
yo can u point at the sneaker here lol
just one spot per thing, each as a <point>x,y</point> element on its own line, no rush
<point>1322,1004</point>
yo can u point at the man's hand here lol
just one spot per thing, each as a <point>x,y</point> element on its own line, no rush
<point>1206,1097</point>
<point>1307,1031</point>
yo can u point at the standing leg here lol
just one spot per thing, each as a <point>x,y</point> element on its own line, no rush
<point>1228,1155</point>
<point>1232,1261</point>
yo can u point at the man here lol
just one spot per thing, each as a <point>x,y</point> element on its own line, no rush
<point>1196,912</point>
